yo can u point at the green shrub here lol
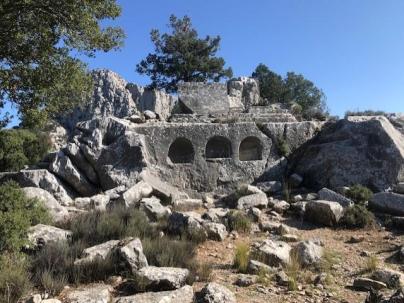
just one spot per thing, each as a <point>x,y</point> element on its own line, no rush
<point>98,227</point>
<point>358,216</point>
<point>241,257</point>
<point>283,147</point>
<point>359,194</point>
<point>19,147</point>
<point>17,214</point>
<point>239,221</point>
<point>14,278</point>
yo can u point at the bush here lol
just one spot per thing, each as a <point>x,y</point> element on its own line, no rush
<point>241,257</point>
<point>358,216</point>
<point>239,221</point>
<point>14,278</point>
<point>371,264</point>
<point>359,194</point>
<point>283,147</point>
<point>98,227</point>
<point>17,214</point>
<point>19,147</point>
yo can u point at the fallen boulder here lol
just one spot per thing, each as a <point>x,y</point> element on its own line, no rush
<point>215,293</point>
<point>184,294</point>
<point>330,195</point>
<point>308,252</point>
<point>391,203</point>
<point>40,234</point>
<point>161,278</point>
<point>323,212</point>
<point>272,253</point>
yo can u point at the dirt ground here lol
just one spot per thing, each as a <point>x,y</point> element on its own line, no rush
<point>352,259</point>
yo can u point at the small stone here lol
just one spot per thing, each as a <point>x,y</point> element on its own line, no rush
<point>245,280</point>
<point>368,284</point>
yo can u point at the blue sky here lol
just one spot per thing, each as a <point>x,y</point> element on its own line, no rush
<point>352,49</point>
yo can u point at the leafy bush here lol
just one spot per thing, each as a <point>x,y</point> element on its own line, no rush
<point>14,279</point>
<point>19,147</point>
<point>17,214</point>
<point>358,216</point>
<point>359,194</point>
<point>241,257</point>
<point>98,227</point>
<point>283,147</point>
<point>239,221</point>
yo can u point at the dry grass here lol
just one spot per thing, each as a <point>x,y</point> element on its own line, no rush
<point>241,257</point>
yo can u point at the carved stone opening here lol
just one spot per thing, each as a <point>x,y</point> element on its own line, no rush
<point>218,147</point>
<point>181,151</point>
<point>250,149</point>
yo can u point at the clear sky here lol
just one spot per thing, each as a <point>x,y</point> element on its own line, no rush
<point>352,49</point>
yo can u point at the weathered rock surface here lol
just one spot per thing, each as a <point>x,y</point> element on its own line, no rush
<point>361,150</point>
<point>399,188</point>
<point>391,203</point>
<point>215,293</point>
<point>100,251</point>
<point>308,252</point>
<point>153,209</point>
<point>161,278</point>
<point>255,267</point>
<point>137,192</point>
<point>368,284</point>
<point>40,234</point>
<point>98,293</point>
<point>184,294</point>
<point>97,202</point>
<point>258,200</point>
<point>393,279</point>
<point>215,231</point>
<point>44,179</point>
<point>64,168</point>
<point>131,250</point>
<point>330,195</point>
<point>323,212</point>
<point>56,211</point>
<point>272,253</point>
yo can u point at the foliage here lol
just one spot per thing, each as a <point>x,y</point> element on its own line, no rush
<point>19,147</point>
<point>182,56</point>
<point>283,146</point>
<point>359,194</point>
<point>293,270</point>
<point>241,257</point>
<point>239,221</point>
<point>371,264</point>
<point>38,74</point>
<point>98,227</point>
<point>14,279</point>
<point>17,214</point>
<point>358,216</point>
<point>302,96</point>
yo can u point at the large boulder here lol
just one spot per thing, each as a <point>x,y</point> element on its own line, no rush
<point>258,200</point>
<point>161,278</point>
<point>272,253</point>
<point>360,150</point>
<point>96,293</point>
<point>63,167</point>
<point>184,294</point>
<point>330,195</point>
<point>40,234</point>
<point>44,179</point>
<point>323,212</point>
<point>215,293</point>
<point>100,251</point>
<point>56,211</point>
<point>136,193</point>
<point>153,209</point>
<point>391,203</point>
<point>308,252</point>
<point>131,250</point>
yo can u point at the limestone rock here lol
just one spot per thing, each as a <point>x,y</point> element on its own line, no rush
<point>217,215</point>
<point>100,251</point>
<point>245,89</point>
<point>56,211</point>
<point>308,252</point>
<point>399,188</point>
<point>368,284</point>
<point>388,203</point>
<point>274,253</point>
<point>393,279</point>
<point>131,251</point>
<point>270,186</point>
<point>329,195</point>
<point>40,234</point>
<point>161,278</point>
<point>187,204</point>
<point>189,222</point>
<point>245,280</point>
<point>184,294</point>
<point>258,200</point>
<point>215,293</point>
<point>215,231</point>
<point>255,267</point>
<point>98,293</point>
<point>323,212</point>
<point>280,206</point>
<point>361,150</point>
<point>79,160</point>
<point>97,202</point>
<point>64,168</point>
<point>153,209</point>
<point>137,192</point>
<point>44,179</point>
<point>149,115</point>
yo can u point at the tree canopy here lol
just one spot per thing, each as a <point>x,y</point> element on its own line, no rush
<point>38,73</point>
<point>182,56</point>
<point>294,90</point>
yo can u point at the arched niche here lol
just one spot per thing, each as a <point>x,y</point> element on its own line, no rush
<point>218,147</point>
<point>250,149</point>
<point>181,151</point>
